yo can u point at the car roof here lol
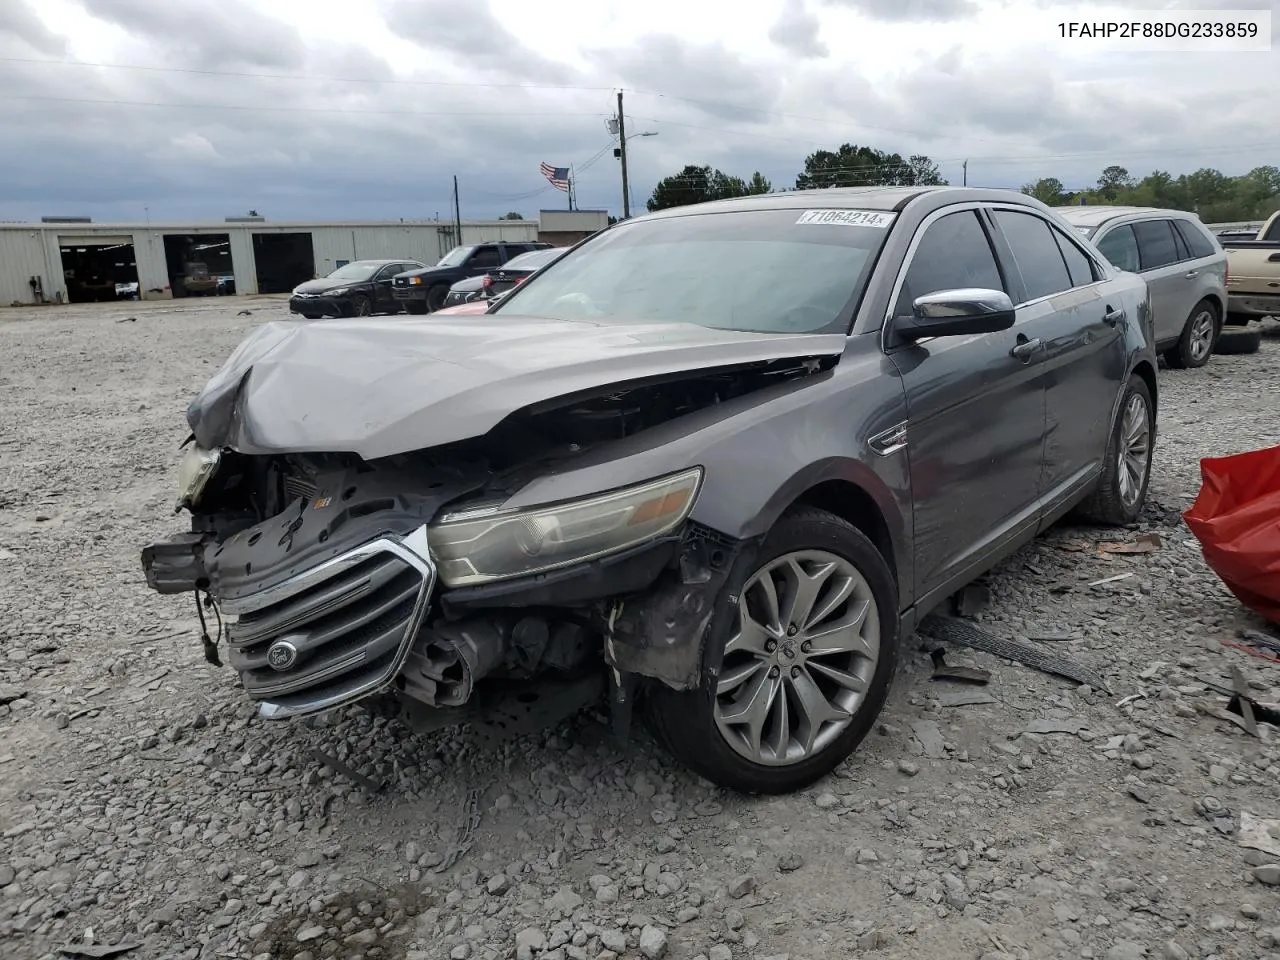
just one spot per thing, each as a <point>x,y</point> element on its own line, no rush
<point>845,198</point>
<point>378,263</point>
<point>1091,216</point>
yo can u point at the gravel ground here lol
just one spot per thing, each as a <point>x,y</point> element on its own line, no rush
<point>141,802</point>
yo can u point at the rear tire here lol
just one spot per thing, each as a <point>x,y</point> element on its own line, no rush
<point>811,720</point>
<point>1199,336</point>
<point>1121,492</point>
<point>1239,341</point>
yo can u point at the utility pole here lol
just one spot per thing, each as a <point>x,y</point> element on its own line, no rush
<point>622,155</point>
<point>457,212</point>
<point>964,174</point>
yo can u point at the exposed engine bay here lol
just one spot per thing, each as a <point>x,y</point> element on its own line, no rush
<point>328,572</point>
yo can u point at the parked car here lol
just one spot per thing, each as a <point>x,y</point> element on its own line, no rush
<point>499,281</point>
<point>518,270</point>
<point>357,289</point>
<point>717,462</point>
<point>424,290</point>
<point>1254,284</point>
<point>1184,265</point>
<point>465,291</point>
<point>196,280</point>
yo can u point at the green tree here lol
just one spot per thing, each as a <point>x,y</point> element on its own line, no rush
<point>758,185</point>
<point>1114,179</point>
<point>511,216</point>
<point>853,166</point>
<point>1048,190</point>
<point>924,172</point>
<point>695,184</point>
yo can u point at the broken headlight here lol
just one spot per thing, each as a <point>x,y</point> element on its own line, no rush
<point>482,546</point>
<point>197,466</point>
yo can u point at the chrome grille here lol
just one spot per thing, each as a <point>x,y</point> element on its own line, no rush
<point>348,624</point>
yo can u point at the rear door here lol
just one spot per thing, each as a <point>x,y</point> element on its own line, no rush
<point>1207,267</point>
<point>976,414</point>
<point>1062,305</point>
<point>1165,273</point>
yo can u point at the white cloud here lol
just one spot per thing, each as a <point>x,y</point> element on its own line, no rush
<point>322,108</point>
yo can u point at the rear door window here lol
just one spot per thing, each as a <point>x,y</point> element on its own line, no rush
<point>1036,253</point>
<point>1156,245</point>
<point>1120,247</point>
<point>1078,265</point>
<point>954,253</point>
<point>1197,243</point>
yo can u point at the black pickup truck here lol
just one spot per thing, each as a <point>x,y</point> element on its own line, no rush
<point>423,291</point>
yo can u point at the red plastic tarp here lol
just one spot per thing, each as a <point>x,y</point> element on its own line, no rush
<point>1236,518</point>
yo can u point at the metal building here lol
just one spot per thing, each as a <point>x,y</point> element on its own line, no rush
<point>62,260</point>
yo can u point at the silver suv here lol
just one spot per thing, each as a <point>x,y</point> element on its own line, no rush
<point>1183,264</point>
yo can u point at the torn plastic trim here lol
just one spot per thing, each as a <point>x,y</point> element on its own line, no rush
<point>671,632</point>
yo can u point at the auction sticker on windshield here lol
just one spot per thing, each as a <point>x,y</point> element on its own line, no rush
<point>849,218</point>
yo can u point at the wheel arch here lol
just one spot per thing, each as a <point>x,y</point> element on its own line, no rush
<point>1145,370</point>
<point>851,490</point>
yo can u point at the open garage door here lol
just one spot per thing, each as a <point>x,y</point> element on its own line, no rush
<point>199,264</point>
<point>99,268</point>
<point>283,260</point>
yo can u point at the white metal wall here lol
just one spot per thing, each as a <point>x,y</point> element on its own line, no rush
<point>22,256</point>
<point>34,251</point>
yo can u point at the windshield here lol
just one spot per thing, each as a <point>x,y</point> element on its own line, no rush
<point>360,270</point>
<point>534,260</point>
<point>763,271</point>
<point>454,257</point>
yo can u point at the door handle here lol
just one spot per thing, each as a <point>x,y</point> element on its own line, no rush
<point>1191,274</point>
<point>1023,349</point>
<point>1113,317</point>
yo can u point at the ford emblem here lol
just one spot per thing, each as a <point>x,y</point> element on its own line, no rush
<point>282,655</point>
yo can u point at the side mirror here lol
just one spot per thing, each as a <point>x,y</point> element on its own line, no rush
<point>957,313</point>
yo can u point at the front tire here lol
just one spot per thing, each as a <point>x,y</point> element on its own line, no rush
<point>435,298</point>
<point>416,307</point>
<point>805,671</point>
<point>1199,336</point>
<point>1126,472</point>
<point>362,307</point>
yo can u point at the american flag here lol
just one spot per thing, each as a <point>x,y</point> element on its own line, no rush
<point>559,176</point>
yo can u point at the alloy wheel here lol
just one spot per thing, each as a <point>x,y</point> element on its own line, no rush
<point>1201,340</point>
<point>363,308</point>
<point>799,663</point>
<point>1135,449</point>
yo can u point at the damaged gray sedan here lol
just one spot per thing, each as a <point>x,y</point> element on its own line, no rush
<point>711,465</point>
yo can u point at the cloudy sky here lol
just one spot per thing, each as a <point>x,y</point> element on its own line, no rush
<point>196,109</point>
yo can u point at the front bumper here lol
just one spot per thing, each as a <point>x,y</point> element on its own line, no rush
<point>334,633</point>
<point>417,291</point>
<point>317,306</point>
<point>454,299</point>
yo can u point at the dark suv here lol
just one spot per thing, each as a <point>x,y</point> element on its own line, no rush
<point>715,461</point>
<point>422,291</point>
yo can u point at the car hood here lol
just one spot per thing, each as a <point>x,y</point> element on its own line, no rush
<point>323,284</point>
<point>381,387</point>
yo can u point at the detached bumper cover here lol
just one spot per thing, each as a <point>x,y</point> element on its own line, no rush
<point>334,633</point>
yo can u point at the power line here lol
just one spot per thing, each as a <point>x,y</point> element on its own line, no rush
<point>294,109</point>
<point>392,81</point>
